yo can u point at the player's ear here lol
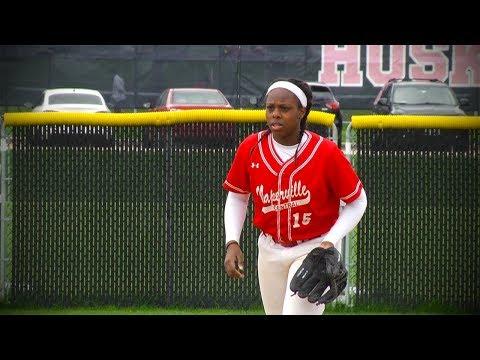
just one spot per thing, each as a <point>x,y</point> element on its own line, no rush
<point>302,113</point>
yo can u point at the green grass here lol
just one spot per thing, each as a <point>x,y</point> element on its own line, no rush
<point>333,309</point>
<point>376,309</point>
<point>114,310</point>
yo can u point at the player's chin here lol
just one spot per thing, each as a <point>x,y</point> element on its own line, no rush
<point>276,129</point>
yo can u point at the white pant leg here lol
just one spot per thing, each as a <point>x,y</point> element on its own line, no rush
<point>272,275</point>
<point>294,305</point>
<point>276,267</point>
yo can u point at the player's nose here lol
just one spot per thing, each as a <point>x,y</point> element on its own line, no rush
<point>276,113</point>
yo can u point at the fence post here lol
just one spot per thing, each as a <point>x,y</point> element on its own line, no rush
<point>3,198</point>
<point>339,124</point>
<point>346,239</point>
<point>168,174</point>
<point>334,133</point>
<point>239,75</point>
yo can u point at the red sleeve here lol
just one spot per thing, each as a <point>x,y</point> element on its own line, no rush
<point>237,179</point>
<point>342,177</point>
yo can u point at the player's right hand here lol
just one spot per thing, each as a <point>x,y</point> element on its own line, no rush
<point>234,261</point>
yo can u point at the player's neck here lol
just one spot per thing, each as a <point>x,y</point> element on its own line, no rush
<point>290,140</point>
<point>295,143</point>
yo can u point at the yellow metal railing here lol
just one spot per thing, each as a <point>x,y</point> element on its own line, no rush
<point>150,118</point>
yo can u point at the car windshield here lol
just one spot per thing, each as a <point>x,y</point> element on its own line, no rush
<point>419,95</point>
<point>74,98</point>
<point>321,94</point>
<point>198,98</point>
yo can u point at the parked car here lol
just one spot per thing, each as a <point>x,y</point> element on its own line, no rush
<point>190,98</point>
<point>420,97</point>
<point>175,99</point>
<point>417,97</point>
<point>71,100</point>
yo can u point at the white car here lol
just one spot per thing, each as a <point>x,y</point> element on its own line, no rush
<point>77,101</point>
<point>71,100</point>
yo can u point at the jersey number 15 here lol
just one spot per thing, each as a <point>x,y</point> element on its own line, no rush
<point>305,221</point>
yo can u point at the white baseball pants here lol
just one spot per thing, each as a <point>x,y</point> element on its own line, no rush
<point>276,266</point>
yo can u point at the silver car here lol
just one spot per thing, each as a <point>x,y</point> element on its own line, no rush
<point>71,100</point>
<point>74,100</point>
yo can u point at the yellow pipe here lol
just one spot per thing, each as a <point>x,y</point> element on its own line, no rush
<point>150,118</point>
<point>415,121</point>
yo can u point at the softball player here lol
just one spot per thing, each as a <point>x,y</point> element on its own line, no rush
<point>297,180</point>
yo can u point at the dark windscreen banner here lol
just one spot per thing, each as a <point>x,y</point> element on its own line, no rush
<point>242,72</point>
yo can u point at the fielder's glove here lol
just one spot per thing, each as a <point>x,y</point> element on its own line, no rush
<point>320,269</point>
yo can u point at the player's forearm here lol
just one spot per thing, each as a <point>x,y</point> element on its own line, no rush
<point>235,214</point>
<point>349,218</point>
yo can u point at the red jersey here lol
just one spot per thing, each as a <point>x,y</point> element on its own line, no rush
<point>293,201</point>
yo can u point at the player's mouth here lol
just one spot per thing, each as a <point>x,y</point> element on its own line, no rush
<point>274,125</point>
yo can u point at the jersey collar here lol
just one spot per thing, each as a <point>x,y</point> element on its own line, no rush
<point>273,162</point>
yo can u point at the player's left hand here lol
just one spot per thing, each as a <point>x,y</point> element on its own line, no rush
<point>321,268</point>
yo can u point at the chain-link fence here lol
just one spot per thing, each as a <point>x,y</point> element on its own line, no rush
<point>418,242</point>
<point>125,215</point>
<point>133,215</point>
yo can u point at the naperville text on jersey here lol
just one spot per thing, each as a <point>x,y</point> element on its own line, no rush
<point>296,195</point>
